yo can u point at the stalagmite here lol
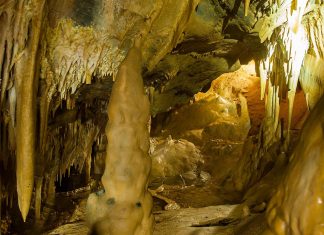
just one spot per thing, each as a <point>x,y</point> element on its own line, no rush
<point>125,206</point>
<point>25,83</point>
<point>50,119</point>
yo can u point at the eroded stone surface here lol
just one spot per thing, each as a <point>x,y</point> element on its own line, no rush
<point>297,207</point>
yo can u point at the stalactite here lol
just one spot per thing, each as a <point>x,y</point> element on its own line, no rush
<point>282,67</point>
<point>311,78</point>
<point>263,79</point>
<point>278,17</point>
<point>20,30</point>
<point>77,146</point>
<point>26,94</point>
<point>6,46</point>
<point>3,32</point>
<point>271,122</point>
<point>38,197</point>
<point>297,48</point>
<point>125,207</point>
<point>279,71</point>
<point>246,7</point>
<point>74,54</point>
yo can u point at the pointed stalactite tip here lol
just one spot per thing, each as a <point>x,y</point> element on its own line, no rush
<point>23,210</point>
<point>25,191</point>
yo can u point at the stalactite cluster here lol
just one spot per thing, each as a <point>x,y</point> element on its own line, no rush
<point>19,88</point>
<point>281,69</point>
<point>295,53</point>
<point>73,55</point>
<point>312,78</point>
<point>293,38</point>
<point>56,75</point>
<point>49,61</point>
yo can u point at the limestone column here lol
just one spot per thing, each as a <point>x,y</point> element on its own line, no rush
<point>124,208</point>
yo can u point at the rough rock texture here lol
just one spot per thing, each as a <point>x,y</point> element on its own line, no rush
<point>208,220</point>
<point>312,79</point>
<point>220,113</point>
<point>58,60</point>
<point>172,159</point>
<point>297,206</point>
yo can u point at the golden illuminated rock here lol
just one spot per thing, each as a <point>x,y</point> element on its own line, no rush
<point>125,206</point>
<point>312,79</point>
<point>58,61</point>
<point>297,206</point>
<point>23,92</point>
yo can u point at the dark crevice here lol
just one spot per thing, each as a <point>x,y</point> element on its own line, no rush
<point>217,222</point>
<point>4,61</point>
<point>71,182</point>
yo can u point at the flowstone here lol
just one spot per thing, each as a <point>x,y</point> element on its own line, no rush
<point>297,207</point>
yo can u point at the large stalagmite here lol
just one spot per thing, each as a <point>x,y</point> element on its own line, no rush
<point>125,206</point>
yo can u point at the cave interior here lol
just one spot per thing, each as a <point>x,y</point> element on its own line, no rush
<point>139,117</point>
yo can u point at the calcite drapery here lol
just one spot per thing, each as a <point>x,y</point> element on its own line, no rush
<point>125,206</point>
<point>282,69</point>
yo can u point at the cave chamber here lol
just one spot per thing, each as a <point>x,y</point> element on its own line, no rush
<point>144,117</point>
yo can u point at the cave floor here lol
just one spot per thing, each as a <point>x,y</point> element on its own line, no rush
<point>198,207</point>
<point>200,216</point>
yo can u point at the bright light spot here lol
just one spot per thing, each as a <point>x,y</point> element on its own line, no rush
<point>295,18</point>
<point>250,68</point>
<point>299,48</point>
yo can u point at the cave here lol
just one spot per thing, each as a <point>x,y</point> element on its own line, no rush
<point>139,117</point>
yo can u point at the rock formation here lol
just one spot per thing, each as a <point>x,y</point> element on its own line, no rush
<point>62,62</point>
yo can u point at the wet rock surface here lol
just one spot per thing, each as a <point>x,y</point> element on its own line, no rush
<point>297,206</point>
<point>217,143</point>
